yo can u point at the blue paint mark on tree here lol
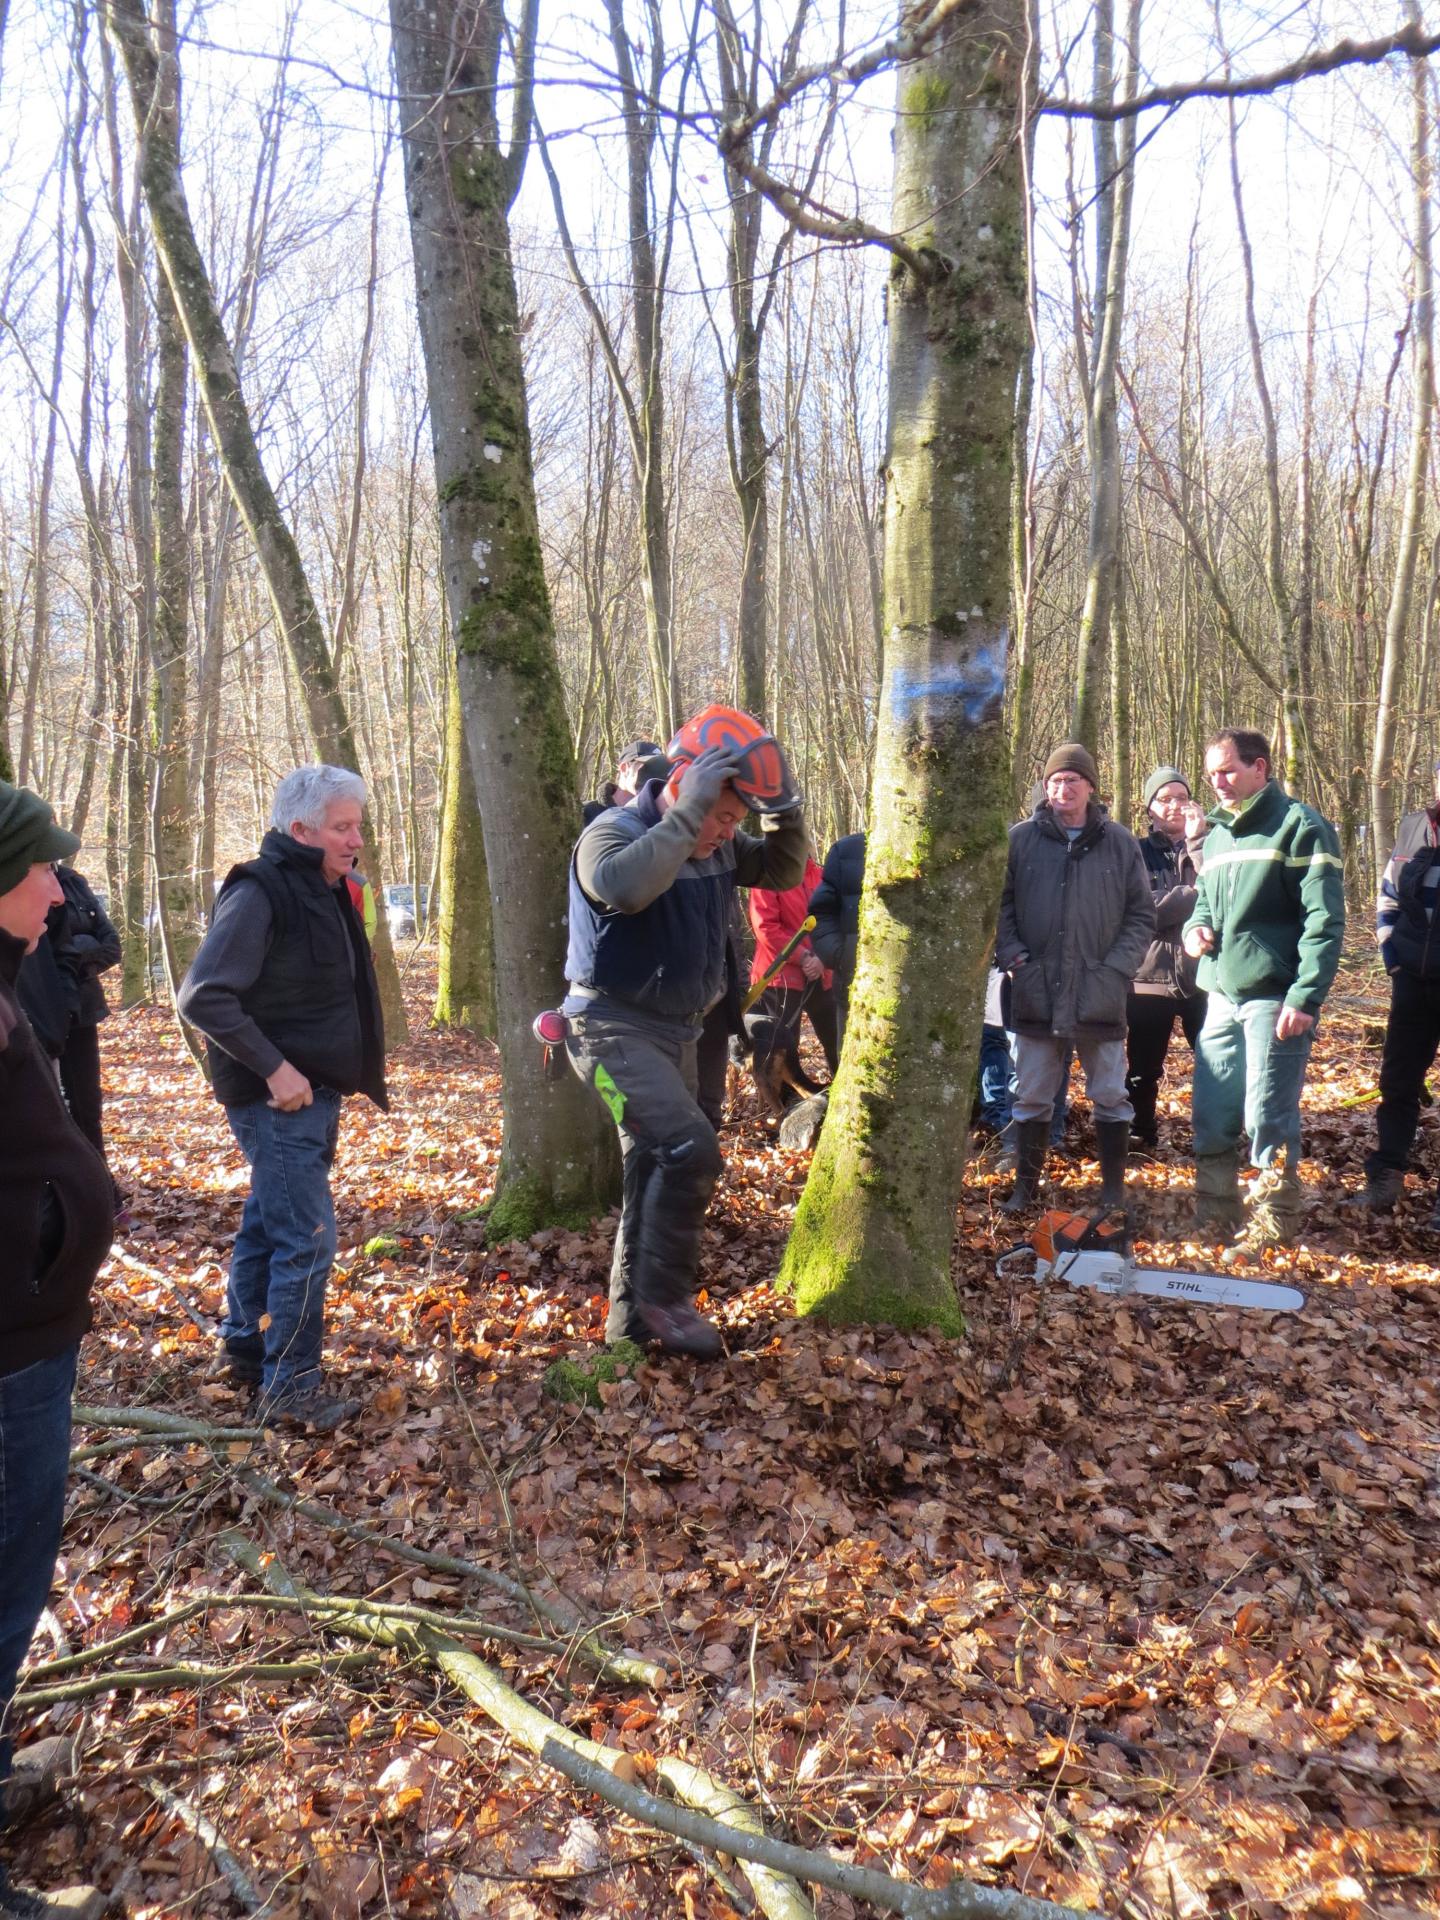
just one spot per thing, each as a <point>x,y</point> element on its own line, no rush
<point>968,690</point>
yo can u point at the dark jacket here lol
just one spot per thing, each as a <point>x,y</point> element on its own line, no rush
<point>1081,910</point>
<point>56,1203</point>
<point>835,904</point>
<point>649,924</point>
<point>1409,889</point>
<point>60,982</point>
<point>1167,970</point>
<point>1272,891</point>
<point>285,974</point>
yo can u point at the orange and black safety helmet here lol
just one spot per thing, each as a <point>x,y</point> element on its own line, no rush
<point>763,778</point>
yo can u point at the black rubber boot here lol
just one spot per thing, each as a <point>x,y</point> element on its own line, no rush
<point>1112,1137</point>
<point>1032,1142</point>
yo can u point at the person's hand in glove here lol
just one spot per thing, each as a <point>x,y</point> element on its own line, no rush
<point>707,776</point>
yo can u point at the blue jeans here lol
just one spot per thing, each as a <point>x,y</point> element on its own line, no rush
<point>995,1077</point>
<point>285,1248</point>
<point>1247,1080</point>
<point>34,1461</point>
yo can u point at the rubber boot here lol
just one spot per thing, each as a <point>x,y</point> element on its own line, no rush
<point>1032,1140</point>
<point>1217,1192</point>
<point>1112,1137</point>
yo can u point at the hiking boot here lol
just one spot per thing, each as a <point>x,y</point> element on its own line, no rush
<point>304,1407</point>
<point>1032,1142</point>
<point>1383,1187</point>
<point>679,1328</point>
<point>232,1368</point>
<point>34,1778</point>
<point>1273,1213</point>
<point>1112,1139</point>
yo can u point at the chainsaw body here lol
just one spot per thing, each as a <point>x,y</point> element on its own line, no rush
<point>1092,1249</point>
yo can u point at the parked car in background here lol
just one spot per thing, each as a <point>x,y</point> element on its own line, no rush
<point>401,913</point>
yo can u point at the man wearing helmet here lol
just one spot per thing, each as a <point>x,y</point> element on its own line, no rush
<point>651,886</point>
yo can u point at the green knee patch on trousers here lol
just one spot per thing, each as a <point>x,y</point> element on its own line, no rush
<point>612,1096</point>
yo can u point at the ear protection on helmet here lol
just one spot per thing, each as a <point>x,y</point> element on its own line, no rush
<point>763,778</point>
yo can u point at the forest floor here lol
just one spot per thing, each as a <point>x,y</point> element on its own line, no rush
<point>1131,1606</point>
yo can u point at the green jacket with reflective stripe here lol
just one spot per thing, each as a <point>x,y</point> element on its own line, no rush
<point>1272,891</point>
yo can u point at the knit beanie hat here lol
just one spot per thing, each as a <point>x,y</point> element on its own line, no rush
<point>1164,777</point>
<point>1073,758</point>
<point>28,834</point>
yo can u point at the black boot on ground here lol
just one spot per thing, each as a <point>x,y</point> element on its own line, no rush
<point>1032,1142</point>
<point>1112,1139</point>
<point>1384,1187</point>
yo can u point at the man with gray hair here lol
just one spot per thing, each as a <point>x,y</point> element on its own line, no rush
<point>284,991</point>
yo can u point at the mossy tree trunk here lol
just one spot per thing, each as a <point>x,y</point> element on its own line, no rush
<point>876,1223</point>
<point>461,182</point>
<point>465,991</point>
<point>218,379</point>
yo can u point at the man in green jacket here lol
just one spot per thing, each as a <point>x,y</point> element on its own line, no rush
<point>1266,928</point>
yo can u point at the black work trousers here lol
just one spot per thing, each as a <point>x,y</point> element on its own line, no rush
<point>1412,1037</point>
<point>1150,1022</point>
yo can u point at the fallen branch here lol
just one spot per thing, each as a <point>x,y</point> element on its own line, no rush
<point>610,1773</point>
<point>142,1680</point>
<point>777,1894</point>
<point>618,1664</point>
<point>151,1420</point>
<point>961,1900</point>
<point>214,1843</point>
<point>467,1626</point>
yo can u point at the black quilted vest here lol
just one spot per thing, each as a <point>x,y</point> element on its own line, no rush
<point>316,997</point>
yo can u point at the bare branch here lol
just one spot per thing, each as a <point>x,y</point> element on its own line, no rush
<point>1345,53</point>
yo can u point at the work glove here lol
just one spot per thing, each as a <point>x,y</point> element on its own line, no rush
<point>707,776</point>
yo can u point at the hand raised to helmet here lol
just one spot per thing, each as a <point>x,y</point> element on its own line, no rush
<point>707,776</point>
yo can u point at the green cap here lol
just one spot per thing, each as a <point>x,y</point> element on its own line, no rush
<point>28,834</point>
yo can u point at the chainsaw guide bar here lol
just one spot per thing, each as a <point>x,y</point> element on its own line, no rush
<point>1092,1249</point>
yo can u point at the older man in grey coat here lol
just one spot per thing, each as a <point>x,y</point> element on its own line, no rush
<point>1076,920</point>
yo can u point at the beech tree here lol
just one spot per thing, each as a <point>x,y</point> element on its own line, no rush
<point>461,182</point>
<point>875,1225</point>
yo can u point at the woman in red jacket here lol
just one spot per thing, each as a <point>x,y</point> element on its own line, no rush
<point>802,984</point>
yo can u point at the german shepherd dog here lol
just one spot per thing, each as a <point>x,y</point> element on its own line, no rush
<point>773,1053</point>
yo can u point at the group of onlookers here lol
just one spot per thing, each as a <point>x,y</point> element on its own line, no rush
<point>1229,924</point>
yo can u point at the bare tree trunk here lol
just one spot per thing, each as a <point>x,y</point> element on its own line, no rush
<point>234,436</point>
<point>461,184</point>
<point>1114,197</point>
<point>876,1223</point>
<point>1402,591</point>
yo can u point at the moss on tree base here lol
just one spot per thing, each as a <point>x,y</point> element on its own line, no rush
<point>526,1206</point>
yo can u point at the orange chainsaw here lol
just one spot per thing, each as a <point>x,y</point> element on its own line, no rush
<point>1092,1249</point>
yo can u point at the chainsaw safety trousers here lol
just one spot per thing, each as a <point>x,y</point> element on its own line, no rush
<point>1032,1142</point>
<point>1112,1137</point>
<point>645,1073</point>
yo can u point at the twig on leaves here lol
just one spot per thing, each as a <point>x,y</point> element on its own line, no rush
<point>777,1894</point>
<point>247,1897</point>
